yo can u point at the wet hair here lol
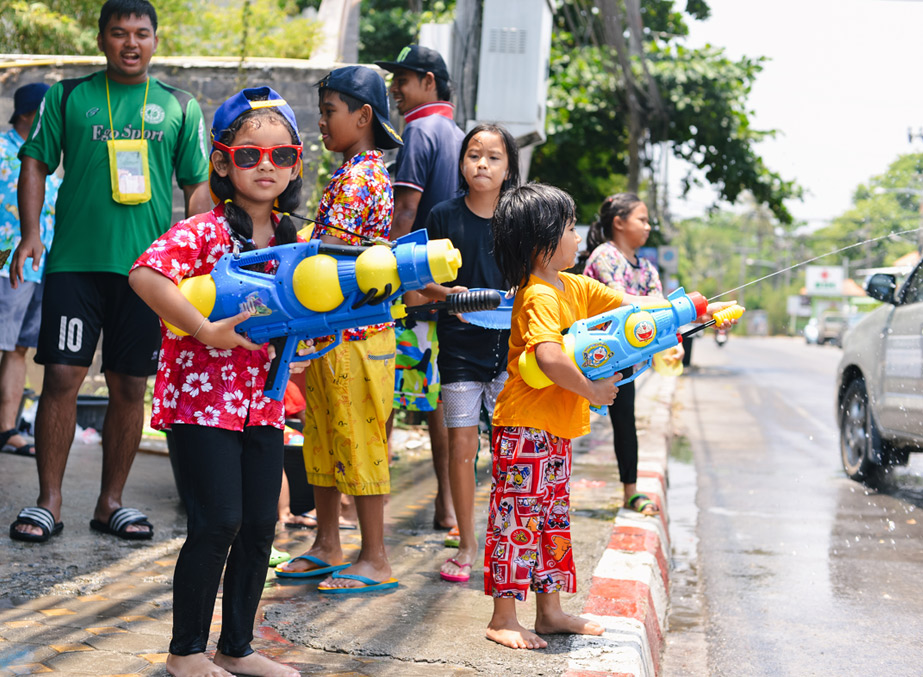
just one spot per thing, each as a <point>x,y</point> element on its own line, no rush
<point>512,156</point>
<point>120,8</point>
<point>621,205</point>
<point>238,219</point>
<point>527,225</point>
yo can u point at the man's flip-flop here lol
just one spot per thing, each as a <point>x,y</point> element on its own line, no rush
<point>322,568</point>
<point>36,517</point>
<point>120,520</point>
<point>27,449</point>
<point>370,584</point>
<point>461,577</point>
<point>639,502</point>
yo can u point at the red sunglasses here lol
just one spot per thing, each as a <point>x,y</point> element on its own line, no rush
<point>248,157</point>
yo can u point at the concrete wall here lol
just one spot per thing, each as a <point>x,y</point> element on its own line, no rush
<point>209,80</point>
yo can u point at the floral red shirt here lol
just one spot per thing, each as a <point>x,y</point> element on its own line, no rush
<point>197,383</point>
<point>358,198</point>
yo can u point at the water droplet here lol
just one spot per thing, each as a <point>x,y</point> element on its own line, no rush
<point>891,526</point>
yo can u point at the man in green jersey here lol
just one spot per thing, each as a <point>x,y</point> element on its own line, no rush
<point>123,135</point>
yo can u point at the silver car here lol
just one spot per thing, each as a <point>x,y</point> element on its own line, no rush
<point>880,381</point>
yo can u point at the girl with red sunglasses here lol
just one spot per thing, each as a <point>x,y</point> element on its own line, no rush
<point>227,434</point>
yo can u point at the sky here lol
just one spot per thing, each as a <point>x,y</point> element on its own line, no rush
<point>843,86</point>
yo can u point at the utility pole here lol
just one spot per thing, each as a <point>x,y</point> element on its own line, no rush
<point>466,49</point>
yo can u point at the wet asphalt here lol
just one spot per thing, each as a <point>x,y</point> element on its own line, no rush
<point>795,570</point>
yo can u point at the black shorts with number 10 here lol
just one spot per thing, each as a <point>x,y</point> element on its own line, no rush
<point>77,306</point>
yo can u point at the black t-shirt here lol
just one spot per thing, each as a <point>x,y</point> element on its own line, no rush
<point>468,352</point>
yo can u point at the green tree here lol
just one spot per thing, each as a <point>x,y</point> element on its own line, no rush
<point>242,28</point>
<point>888,203</point>
<point>693,101</point>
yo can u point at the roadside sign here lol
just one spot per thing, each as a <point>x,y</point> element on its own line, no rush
<point>823,280</point>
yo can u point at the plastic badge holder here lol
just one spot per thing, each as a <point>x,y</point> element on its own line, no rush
<point>129,171</point>
<point>499,318</point>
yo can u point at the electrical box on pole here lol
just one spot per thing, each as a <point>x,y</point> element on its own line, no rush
<point>513,67</point>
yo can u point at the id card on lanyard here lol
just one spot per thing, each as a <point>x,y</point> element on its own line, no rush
<point>129,170</point>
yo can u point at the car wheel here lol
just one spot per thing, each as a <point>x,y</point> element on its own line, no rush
<point>860,441</point>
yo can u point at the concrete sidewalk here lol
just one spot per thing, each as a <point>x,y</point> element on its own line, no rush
<point>89,604</point>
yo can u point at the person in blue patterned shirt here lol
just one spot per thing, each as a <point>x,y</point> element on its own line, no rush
<point>20,309</point>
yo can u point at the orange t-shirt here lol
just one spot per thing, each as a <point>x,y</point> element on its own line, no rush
<point>540,313</point>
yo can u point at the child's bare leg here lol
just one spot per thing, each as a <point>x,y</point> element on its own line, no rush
<point>504,627</point>
<point>373,558</point>
<point>194,665</point>
<point>463,446</point>
<point>255,664</point>
<point>439,443</point>
<point>326,546</point>
<point>550,618</point>
<point>284,509</point>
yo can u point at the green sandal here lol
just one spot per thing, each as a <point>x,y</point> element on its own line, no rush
<point>276,557</point>
<point>640,502</point>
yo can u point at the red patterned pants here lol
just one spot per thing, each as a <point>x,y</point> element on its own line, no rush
<point>528,530</point>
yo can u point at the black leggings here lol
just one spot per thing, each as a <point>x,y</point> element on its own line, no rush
<point>230,483</point>
<point>625,437</point>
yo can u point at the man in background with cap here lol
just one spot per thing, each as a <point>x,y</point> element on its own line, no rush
<point>20,309</point>
<point>425,174</point>
<point>123,135</point>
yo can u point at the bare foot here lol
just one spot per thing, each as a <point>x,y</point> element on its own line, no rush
<point>194,665</point>
<point>514,636</point>
<point>380,572</point>
<point>289,519</point>
<point>560,623</point>
<point>301,565</point>
<point>256,664</point>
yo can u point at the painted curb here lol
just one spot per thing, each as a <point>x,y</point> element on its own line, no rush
<point>629,594</point>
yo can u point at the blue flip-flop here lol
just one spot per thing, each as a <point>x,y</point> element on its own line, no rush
<point>322,568</point>
<point>370,584</point>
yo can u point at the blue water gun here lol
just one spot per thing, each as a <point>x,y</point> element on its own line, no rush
<point>318,289</point>
<point>617,340</point>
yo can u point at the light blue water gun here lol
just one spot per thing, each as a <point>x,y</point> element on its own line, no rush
<point>617,340</point>
<point>318,289</point>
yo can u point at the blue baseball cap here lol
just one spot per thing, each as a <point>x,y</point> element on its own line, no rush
<point>28,98</point>
<point>247,100</point>
<point>364,84</point>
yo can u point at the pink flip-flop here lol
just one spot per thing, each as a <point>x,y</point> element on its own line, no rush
<point>461,577</point>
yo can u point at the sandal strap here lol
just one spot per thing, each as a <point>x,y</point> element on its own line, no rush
<point>124,517</point>
<point>37,517</point>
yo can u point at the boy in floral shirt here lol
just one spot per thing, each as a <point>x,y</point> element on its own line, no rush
<point>349,391</point>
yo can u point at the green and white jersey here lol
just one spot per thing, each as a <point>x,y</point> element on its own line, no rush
<point>92,231</point>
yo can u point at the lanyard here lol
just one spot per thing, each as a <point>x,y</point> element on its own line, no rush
<point>147,86</point>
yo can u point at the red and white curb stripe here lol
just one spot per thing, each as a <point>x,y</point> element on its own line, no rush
<point>629,594</point>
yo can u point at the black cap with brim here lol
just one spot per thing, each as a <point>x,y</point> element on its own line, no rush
<point>419,59</point>
<point>364,84</point>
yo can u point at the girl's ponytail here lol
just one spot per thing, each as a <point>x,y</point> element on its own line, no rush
<point>288,202</point>
<point>238,219</point>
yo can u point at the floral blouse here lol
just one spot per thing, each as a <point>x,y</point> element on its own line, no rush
<point>196,383</point>
<point>609,265</point>
<point>359,199</point>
